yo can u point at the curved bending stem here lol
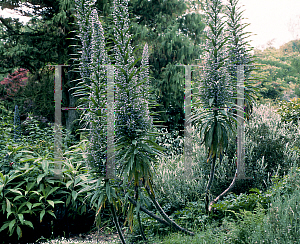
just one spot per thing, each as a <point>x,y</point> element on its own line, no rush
<point>211,178</point>
<point>224,192</point>
<point>146,211</point>
<point>117,223</point>
<point>141,227</point>
<point>165,216</point>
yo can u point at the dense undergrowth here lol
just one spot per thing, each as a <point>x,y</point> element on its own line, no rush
<point>36,207</point>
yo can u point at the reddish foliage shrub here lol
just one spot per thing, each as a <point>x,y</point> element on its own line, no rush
<point>14,82</point>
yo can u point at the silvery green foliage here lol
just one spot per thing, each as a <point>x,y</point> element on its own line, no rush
<point>17,124</point>
<point>132,117</point>
<point>215,91</point>
<point>93,87</point>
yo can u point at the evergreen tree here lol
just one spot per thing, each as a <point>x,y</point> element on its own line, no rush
<point>45,39</point>
<point>174,32</point>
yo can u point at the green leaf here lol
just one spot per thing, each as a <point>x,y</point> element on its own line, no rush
<point>29,205</point>
<point>4,226</point>
<point>51,213</point>
<point>39,178</point>
<point>21,218</point>
<point>36,204</point>
<point>69,183</point>
<point>74,195</point>
<point>52,190</point>
<point>68,200</point>
<point>19,231</point>
<point>8,207</point>
<point>51,203</point>
<point>16,191</point>
<point>42,213</point>
<point>11,226</point>
<point>58,201</point>
<point>28,223</point>
<point>108,192</point>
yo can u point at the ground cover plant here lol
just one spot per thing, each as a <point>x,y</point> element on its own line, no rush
<point>29,198</point>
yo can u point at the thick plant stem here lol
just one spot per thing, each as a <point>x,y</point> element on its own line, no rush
<point>146,211</point>
<point>141,227</point>
<point>117,224</point>
<point>211,178</point>
<point>165,216</point>
<point>224,192</point>
<point>138,214</point>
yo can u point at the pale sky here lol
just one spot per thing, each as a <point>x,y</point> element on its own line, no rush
<point>269,19</point>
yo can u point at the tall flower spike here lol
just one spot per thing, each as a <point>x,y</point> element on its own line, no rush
<point>129,118</point>
<point>145,77</point>
<point>215,78</point>
<point>93,87</point>
<point>85,32</point>
<point>98,91</point>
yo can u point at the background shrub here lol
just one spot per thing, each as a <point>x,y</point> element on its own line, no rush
<point>290,111</point>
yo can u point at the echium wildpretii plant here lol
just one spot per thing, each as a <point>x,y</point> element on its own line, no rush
<point>239,52</point>
<point>135,150</point>
<point>215,93</point>
<point>98,98</point>
<point>17,124</point>
<point>92,89</point>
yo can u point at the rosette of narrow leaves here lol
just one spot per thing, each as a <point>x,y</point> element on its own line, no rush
<point>214,123</point>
